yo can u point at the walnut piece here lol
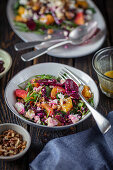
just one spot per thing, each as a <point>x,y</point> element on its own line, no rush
<point>11,143</point>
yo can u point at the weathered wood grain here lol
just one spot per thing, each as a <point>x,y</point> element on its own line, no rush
<point>41,137</point>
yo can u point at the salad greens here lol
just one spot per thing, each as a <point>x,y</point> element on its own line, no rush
<point>45,100</point>
<point>49,15</point>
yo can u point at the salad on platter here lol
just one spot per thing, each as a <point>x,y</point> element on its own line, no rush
<point>46,16</point>
<point>51,101</point>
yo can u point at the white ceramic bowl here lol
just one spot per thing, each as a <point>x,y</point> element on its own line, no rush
<point>25,135</point>
<point>4,56</point>
<point>45,68</point>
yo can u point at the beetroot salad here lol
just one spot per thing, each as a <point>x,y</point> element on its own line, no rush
<point>51,101</point>
<point>45,16</point>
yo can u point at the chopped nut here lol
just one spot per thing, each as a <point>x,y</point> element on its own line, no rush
<point>11,143</point>
<point>58,107</point>
<point>69,15</point>
<point>54,106</point>
<point>50,31</point>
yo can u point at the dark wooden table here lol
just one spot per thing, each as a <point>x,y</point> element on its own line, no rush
<point>40,137</point>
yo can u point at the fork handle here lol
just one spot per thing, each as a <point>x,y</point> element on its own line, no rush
<point>102,122</point>
<point>32,55</point>
<point>26,45</point>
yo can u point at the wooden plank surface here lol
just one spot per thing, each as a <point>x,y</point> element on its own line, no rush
<point>41,137</point>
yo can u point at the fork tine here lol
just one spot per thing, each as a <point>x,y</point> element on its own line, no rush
<point>64,77</point>
<point>61,76</point>
<point>73,75</point>
<point>69,76</point>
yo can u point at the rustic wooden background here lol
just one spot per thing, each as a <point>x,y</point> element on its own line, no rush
<point>40,137</point>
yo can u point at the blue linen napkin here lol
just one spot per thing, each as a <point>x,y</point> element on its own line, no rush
<point>87,150</point>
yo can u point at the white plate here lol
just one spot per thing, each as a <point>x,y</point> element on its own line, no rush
<point>72,51</point>
<point>45,68</point>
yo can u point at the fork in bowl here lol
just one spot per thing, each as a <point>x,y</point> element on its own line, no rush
<point>102,122</point>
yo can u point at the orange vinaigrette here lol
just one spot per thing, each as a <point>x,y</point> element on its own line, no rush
<point>108,88</point>
<point>109,74</point>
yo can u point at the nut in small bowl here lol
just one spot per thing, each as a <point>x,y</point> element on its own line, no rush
<point>14,141</point>
<point>5,62</point>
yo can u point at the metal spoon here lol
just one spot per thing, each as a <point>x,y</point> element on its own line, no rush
<point>81,30</point>
<point>76,37</point>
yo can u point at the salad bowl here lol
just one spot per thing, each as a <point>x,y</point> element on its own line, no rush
<point>46,68</point>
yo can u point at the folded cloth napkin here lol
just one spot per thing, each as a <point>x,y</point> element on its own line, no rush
<point>87,150</point>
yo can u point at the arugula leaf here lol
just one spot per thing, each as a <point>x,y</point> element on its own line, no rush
<point>70,23</point>
<point>32,97</point>
<point>64,113</point>
<point>48,91</point>
<point>42,25</point>
<point>80,104</point>
<point>29,86</point>
<point>44,76</point>
<point>16,5</point>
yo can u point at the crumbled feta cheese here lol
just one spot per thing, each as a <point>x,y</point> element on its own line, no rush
<point>43,1</point>
<point>35,16</point>
<point>51,86</point>
<point>89,12</point>
<point>59,13</point>
<point>74,118</point>
<point>65,33</point>
<point>38,109</point>
<point>55,101</point>
<point>37,89</point>
<point>88,17</point>
<point>27,14</point>
<point>72,4</point>
<point>61,96</point>
<point>30,114</point>
<point>48,37</point>
<point>79,10</point>
<point>37,120</point>
<point>20,107</point>
<point>23,2</point>
<point>51,122</point>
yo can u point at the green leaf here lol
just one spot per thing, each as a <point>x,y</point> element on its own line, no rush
<point>48,91</point>
<point>80,104</point>
<point>92,9</point>
<point>16,5</point>
<point>29,86</point>
<point>39,31</point>
<point>64,113</point>
<point>70,23</point>
<point>20,24</point>
<point>44,76</point>
<point>42,25</point>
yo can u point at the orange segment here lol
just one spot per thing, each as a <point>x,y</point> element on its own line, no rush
<point>56,90</point>
<point>66,104</point>
<point>47,108</point>
<point>86,92</point>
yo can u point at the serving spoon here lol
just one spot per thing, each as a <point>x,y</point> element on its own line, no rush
<point>76,37</point>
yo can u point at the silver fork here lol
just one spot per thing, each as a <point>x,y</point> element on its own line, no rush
<point>102,122</point>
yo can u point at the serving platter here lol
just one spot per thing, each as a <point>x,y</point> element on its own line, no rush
<point>72,51</point>
<point>45,68</point>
